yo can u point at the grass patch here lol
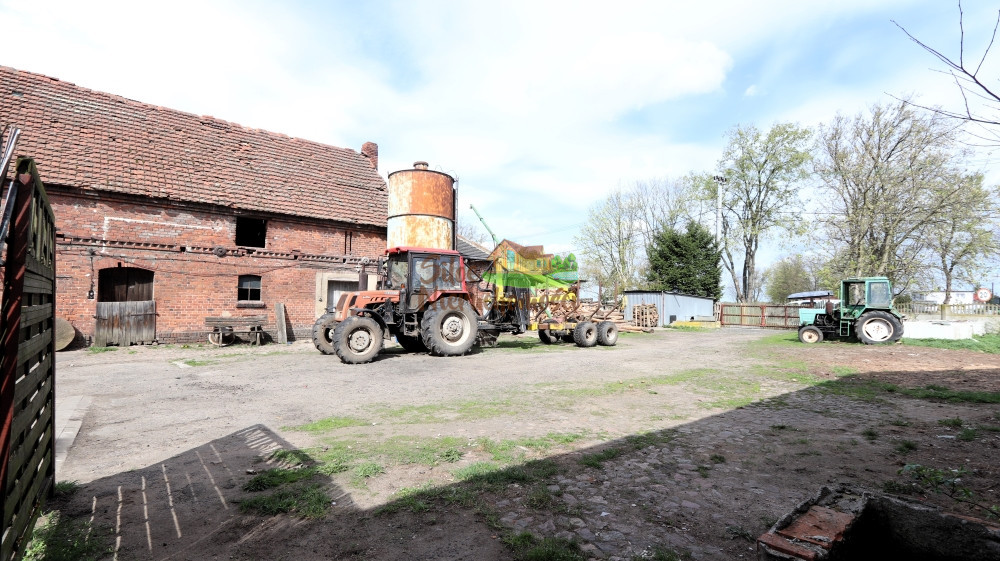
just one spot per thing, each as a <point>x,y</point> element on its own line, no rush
<point>307,501</point>
<point>597,459</point>
<point>906,446</point>
<point>872,390</point>
<point>953,422</point>
<point>989,343</point>
<point>56,539</point>
<point>527,547</point>
<point>277,477</point>
<point>968,435</point>
<point>96,350</point>
<point>196,362</point>
<point>367,470</point>
<point>65,488</point>
<point>443,412</point>
<point>870,433</point>
<point>477,469</point>
<point>328,424</point>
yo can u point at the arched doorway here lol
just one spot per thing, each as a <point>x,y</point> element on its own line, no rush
<point>126,311</point>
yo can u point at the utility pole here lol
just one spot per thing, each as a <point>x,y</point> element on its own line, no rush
<point>719,182</point>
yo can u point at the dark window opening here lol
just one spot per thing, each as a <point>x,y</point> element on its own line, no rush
<point>249,288</point>
<point>124,284</point>
<point>251,232</point>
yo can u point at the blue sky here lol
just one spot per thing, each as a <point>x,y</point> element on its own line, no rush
<point>538,108</point>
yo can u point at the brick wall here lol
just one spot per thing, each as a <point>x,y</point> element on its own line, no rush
<point>196,263</point>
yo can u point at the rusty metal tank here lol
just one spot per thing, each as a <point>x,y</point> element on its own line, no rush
<point>421,208</point>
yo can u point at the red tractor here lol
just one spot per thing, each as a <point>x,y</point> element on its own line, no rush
<point>423,300</point>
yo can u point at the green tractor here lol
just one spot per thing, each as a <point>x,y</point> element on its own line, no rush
<point>865,312</point>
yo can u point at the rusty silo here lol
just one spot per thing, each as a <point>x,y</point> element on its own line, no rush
<point>421,208</point>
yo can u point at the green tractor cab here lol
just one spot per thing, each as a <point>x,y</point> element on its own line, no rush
<point>865,311</point>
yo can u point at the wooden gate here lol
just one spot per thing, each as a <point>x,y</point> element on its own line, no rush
<point>125,323</point>
<point>27,327</point>
<point>759,315</point>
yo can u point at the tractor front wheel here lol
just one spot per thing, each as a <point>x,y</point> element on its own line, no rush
<point>357,339</point>
<point>323,333</point>
<point>449,327</point>
<point>876,328</point>
<point>810,334</point>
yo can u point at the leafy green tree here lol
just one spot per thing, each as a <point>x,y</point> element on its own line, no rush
<point>962,239</point>
<point>788,276</point>
<point>762,172</point>
<point>686,262</point>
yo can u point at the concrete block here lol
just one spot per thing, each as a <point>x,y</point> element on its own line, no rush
<point>934,329</point>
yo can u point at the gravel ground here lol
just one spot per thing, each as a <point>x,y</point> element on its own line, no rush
<point>702,440</point>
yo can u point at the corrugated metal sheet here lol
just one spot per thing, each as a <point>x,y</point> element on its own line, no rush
<point>668,304</point>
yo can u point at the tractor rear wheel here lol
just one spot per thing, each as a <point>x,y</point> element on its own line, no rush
<point>585,334</point>
<point>323,333</point>
<point>607,333</point>
<point>876,328</point>
<point>357,339</point>
<point>810,334</point>
<point>449,327</point>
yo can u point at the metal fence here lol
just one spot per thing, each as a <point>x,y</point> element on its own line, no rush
<point>922,310</point>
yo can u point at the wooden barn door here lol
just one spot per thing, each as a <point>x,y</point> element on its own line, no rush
<point>126,311</point>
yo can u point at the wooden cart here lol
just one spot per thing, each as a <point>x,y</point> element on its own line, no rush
<point>225,329</point>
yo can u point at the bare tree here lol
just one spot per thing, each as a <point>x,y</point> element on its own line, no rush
<point>888,176</point>
<point>618,230</point>
<point>980,101</point>
<point>611,240</point>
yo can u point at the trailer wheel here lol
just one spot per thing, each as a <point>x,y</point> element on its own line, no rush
<point>357,339</point>
<point>323,333</point>
<point>449,327</point>
<point>810,334</point>
<point>411,343</point>
<point>585,334</point>
<point>876,328</point>
<point>607,333</point>
<point>568,337</point>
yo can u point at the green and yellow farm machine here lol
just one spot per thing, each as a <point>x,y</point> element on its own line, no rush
<point>865,312</point>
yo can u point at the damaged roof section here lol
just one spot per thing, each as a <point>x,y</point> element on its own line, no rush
<point>102,142</point>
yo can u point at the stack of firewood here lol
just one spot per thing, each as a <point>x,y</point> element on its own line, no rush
<point>598,313</point>
<point>645,315</point>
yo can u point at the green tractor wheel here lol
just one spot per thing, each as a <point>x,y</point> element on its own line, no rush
<point>876,328</point>
<point>810,334</point>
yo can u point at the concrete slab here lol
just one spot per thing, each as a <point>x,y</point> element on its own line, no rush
<point>930,329</point>
<point>69,418</point>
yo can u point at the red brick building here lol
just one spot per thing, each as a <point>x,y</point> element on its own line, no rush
<point>195,216</point>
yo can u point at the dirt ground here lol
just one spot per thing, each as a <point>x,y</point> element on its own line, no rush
<point>715,436</point>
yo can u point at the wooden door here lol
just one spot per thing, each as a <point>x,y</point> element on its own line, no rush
<point>126,311</point>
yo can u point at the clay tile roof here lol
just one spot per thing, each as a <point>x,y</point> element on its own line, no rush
<point>102,142</point>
